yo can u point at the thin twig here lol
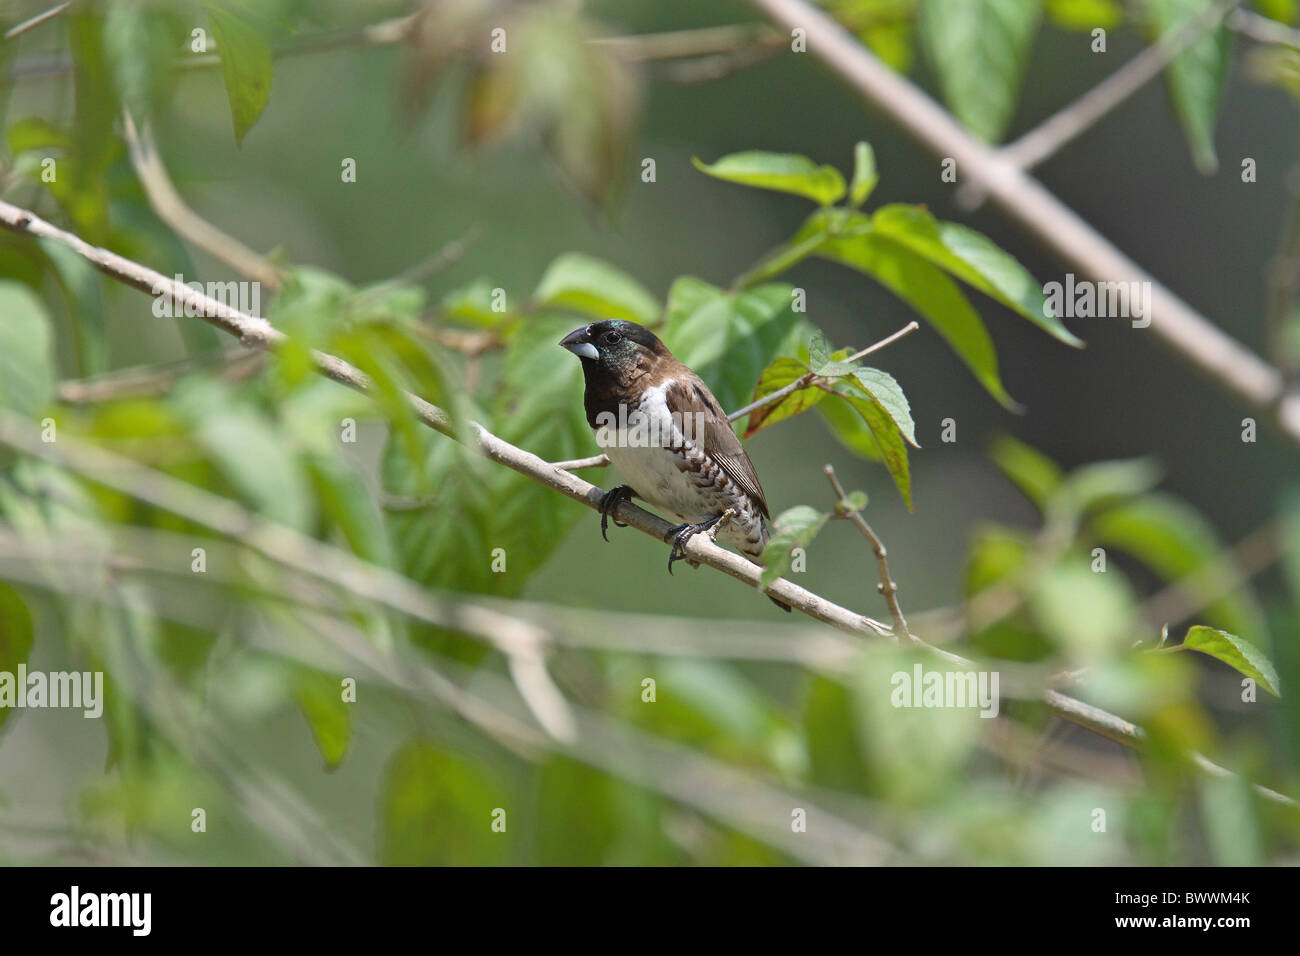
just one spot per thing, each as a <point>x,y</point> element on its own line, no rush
<point>811,378</point>
<point>148,380</point>
<point>638,48</point>
<point>887,587</point>
<point>1262,29</point>
<point>446,255</point>
<point>577,464</point>
<point>35,21</point>
<point>1048,137</point>
<point>1253,554</point>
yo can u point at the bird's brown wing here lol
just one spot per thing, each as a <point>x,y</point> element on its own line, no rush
<point>687,394</point>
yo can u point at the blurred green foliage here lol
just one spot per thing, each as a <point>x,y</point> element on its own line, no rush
<point>203,663</point>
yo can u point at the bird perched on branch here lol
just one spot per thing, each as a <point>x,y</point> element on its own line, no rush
<point>662,428</point>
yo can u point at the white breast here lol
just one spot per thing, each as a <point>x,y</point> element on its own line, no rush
<point>647,449</point>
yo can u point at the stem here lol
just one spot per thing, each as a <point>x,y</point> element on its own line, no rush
<point>887,587</point>
<point>811,378</point>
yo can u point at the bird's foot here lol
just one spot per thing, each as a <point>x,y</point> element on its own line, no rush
<point>683,533</point>
<point>609,504</point>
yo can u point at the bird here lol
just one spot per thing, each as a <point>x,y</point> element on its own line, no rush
<point>661,427</point>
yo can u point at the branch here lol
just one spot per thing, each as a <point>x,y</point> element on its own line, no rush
<point>156,379</point>
<point>35,21</point>
<point>1027,202</point>
<point>1066,124</point>
<point>172,209</point>
<point>258,333</point>
<point>887,587</point>
<point>703,43</point>
<point>1262,29</point>
<point>811,377</point>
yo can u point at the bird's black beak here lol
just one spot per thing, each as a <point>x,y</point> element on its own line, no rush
<point>579,343</point>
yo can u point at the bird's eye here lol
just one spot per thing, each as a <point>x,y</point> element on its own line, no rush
<point>612,338</point>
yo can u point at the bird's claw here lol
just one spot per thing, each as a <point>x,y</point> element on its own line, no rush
<point>609,504</point>
<point>683,533</point>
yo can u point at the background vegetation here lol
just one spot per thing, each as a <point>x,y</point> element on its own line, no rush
<point>522,689</point>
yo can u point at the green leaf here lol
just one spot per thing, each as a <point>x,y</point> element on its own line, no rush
<point>1237,652</point>
<point>728,338</point>
<point>775,377</point>
<point>140,48</point>
<point>850,430</point>
<point>582,825</point>
<point>473,304</point>
<point>782,172</point>
<point>854,501</point>
<point>936,297</point>
<point>824,363</point>
<point>1197,76</point>
<point>914,755</point>
<point>26,362</point>
<point>579,98</point>
<point>865,174</point>
<point>1232,826</point>
<point>1171,537</point>
<point>1085,15</point>
<point>1092,486</point>
<point>320,697</point>
<point>586,284</point>
<point>244,45</point>
<point>250,451</point>
<point>480,506</point>
<point>1283,11</point>
<point>887,435</point>
<point>831,732</point>
<point>1029,469</point>
<point>346,499</point>
<point>975,259</point>
<point>1089,615</point>
<point>436,809</point>
<point>794,528</point>
<point>979,49</point>
<point>16,636</point>
<point>83,291</point>
<point>82,184</point>
<point>887,393</point>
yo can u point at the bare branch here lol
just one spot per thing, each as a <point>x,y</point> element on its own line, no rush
<point>887,587</point>
<point>157,379</point>
<point>1262,29</point>
<point>577,464</point>
<point>35,21</point>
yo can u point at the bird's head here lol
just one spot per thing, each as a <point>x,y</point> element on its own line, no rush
<point>615,347</point>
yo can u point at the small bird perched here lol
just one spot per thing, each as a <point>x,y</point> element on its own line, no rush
<point>662,428</point>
